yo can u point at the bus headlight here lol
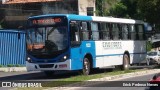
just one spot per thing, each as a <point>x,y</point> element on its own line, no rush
<point>64,58</point>
<point>29,59</point>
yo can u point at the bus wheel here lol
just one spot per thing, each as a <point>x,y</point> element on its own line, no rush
<point>86,66</point>
<point>125,62</point>
<point>49,73</point>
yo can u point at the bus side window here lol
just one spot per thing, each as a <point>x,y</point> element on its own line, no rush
<point>137,32</point>
<point>132,32</point>
<point>115,31</point>
<point>84,31</point>
<point>140,32</point>
<point>74,34</point>
<point>125,32</point>
<point>95,32</point>
<point>105,31</point>
<point>129,31</point>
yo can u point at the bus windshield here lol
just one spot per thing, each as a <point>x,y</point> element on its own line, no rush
<point>46,41</point>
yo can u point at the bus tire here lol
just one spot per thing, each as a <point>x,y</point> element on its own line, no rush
<point>86,66</point>
<point>49,73</point>
<point>126,63</point>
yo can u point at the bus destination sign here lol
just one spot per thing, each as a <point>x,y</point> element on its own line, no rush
<point>46,21</point>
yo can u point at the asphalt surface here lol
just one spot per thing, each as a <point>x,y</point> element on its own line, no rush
<point>34,76</point>
<point>40,76</point>
<point>104,86</point>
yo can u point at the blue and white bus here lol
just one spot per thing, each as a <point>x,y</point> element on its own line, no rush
<point>74,42</point>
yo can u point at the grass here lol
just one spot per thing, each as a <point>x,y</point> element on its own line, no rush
<point>11,65</point>
<point>1,65</point>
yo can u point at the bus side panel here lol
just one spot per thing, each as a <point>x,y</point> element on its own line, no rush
<point>88,47</point>
<point>76,59</point>
<point>110,53</point>
<point>139,51</point>
<point>99,55</point>
<point>78,54</point>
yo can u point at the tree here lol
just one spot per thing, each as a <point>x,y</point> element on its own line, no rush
<point>132,9</point>
<point>150,11</point>
<point>125,9</point>
<point>118,10</point>
<point>102,6</point>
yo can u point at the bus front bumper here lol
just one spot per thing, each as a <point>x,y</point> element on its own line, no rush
<point>49,66</point>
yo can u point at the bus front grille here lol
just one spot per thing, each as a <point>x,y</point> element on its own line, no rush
<point>46,66</point>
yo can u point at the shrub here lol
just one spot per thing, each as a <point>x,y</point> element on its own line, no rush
<point>10,65</point>
<point>1,65</point>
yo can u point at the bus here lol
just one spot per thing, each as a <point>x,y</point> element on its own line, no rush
<point>68,42</point>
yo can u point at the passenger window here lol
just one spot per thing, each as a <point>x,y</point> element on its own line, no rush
<point>74,34</point>
<point>115,31</point>
<point>125,32</point>
<point>140,32</point>
<point>95,32</point>
<point>84,31</point>
<point>105,31</point>
<point>132,32</point>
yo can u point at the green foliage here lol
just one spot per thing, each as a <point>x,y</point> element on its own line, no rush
<point>118,10</point>
<point>1,65</point>
<point>151,10</point>
<point>17,65</point>
<point>149,46</point>
<point>103,5</point>
<point>98,7</point>
<point>10,65</point>
<point>148,11</point>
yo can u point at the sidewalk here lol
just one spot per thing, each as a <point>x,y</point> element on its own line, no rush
<point>12,69</point>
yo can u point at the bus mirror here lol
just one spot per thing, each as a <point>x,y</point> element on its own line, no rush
<point>81,28</point>
<point>149,28</point>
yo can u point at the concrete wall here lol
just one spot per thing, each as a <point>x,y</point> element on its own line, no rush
<point>15,15</point>
<point>83,4</point>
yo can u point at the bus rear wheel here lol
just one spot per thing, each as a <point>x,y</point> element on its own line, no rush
<point>125,62</point>
<point>86,66</point>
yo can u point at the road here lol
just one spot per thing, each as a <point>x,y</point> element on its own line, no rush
<point>34,76</point>
<point>31,76</point>
<point>104,86</point>
<point>39,76</point>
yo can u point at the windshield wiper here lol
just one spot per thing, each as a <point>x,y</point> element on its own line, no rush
<point>51,31</point>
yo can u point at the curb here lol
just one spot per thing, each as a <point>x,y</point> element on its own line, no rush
<point>12,69</point>
<point>108,78</point>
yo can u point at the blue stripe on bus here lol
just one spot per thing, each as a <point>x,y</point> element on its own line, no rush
<point>69,16</point>
<point>118,54</point>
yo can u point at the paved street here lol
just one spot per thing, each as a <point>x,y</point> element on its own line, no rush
<point>39,76</point>
<point>34,76</point>
<point>103,85</point>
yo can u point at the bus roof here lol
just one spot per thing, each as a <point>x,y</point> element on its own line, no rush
<point>69,16</point>
<point>93,18</point>
<point>117,20</point>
